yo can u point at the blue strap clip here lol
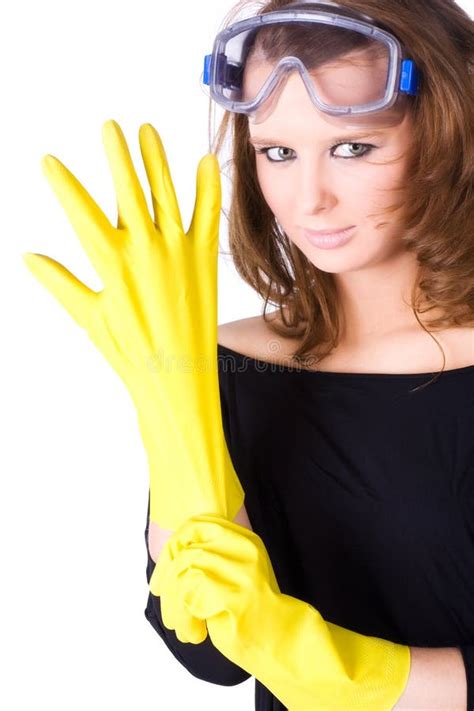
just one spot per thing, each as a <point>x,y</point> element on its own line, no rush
<point>207,69</point>
<point>410,78</point>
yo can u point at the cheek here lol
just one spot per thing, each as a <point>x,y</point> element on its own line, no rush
<point>278,191</point>
<point>370,191</point>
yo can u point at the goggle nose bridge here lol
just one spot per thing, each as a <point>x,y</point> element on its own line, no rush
<point>285,66</point>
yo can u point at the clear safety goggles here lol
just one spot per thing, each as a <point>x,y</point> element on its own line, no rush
<point>350,66</point>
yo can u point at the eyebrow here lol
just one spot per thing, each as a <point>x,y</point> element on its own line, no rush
<point>276,141</point>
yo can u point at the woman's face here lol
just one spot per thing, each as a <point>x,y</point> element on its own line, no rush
<point>309,183</point>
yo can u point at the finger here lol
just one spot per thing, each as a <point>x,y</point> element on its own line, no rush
<point>176,616</point>
<point>165,205</point>
<point>191,630</point>
<point>131,203</point>
<point>75,296</point>
<point>207,207</point>
<point>89,222</point>
<point>174,608</point>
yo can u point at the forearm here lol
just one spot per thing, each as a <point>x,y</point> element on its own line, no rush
<point>437,681</point>
<point>190,468</point>
<point>158,536</point>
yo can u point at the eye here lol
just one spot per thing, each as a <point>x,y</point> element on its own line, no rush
<point>365,147</point>
<point>280,149</point>
<point>266,151</point>
<point>360,149</point>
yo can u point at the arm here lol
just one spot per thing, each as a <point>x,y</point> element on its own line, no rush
<point>211,567</point>
<point>215,570</point>
<point>437,681</point>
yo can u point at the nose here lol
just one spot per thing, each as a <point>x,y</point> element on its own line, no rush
<point>316,188</point>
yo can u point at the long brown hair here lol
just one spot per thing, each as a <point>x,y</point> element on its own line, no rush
<point>436,206</point>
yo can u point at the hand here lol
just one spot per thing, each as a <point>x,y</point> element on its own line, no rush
<point>214,572</point>
<point>156,319</point>
<point>205,566</point>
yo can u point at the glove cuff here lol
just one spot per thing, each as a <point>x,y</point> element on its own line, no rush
<point>317,664</point>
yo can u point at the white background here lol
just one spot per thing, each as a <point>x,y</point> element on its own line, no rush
<point>74,478</point>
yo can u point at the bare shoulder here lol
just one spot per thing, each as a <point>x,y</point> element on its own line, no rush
<point>459,344</point>
<point>246,335</point>
<point>410,351</point>
<point>254,338</point>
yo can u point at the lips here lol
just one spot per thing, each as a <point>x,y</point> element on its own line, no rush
<point>330,241</point>
<point>328,233</point>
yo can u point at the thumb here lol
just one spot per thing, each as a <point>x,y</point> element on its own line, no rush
<point>76,297</point>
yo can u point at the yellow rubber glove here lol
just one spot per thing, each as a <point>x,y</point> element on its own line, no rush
<point>156,319</point>
<point>216,571</point>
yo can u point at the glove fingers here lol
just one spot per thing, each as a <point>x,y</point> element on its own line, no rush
<point>222,549</point>
<point>207,208</point>
<point>165,204</point>
<point>191,630</point>
<point>175,613</point>
<point>131,203</point>
<point>221,567</point>
<point>89,222</point>
<point>196,580</point>
<point>75,296</point>
<point>187,628</point>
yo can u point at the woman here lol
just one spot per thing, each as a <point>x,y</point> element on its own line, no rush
<point>356,467</point>
<point>353,311</point>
